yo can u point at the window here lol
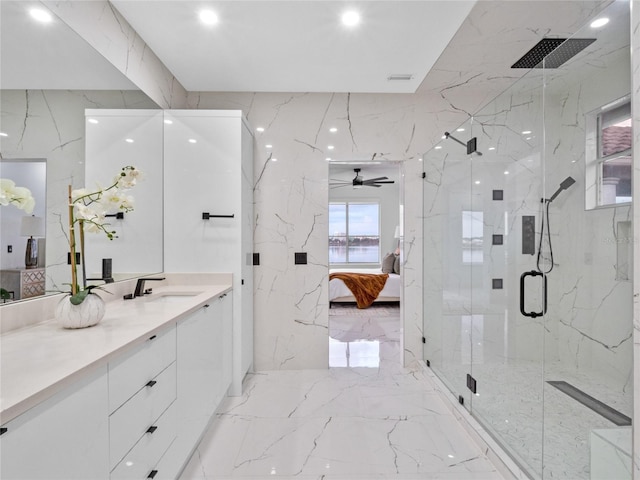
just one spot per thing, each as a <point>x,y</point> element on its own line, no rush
<point>472,237</point>
<point>354,232</point>
<point>609,130</point>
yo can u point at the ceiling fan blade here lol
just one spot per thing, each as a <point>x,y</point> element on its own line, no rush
<point>376,179</point>
<point>367,182</point>
<point>371,185</point>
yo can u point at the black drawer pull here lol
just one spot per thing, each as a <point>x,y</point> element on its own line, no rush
<point>206,305</point>
<point>3,430</point>
<point>152,429</point>
<point>151,338</point>
<point>151,383</point>
<point>153,473</point>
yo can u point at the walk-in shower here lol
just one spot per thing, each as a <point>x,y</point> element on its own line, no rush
<point>554,389</point>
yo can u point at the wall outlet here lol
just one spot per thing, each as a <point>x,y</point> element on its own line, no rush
<point>9,248</point>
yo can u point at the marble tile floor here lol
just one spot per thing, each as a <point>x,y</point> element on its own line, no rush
<point>365,418</point>
<point>562,442</point>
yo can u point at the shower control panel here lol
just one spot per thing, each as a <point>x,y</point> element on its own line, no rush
<point>528,235</point>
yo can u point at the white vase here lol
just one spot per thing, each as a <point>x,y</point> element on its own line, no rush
<point>87,314</point>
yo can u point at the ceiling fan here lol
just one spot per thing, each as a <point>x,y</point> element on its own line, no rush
<point>358,181</point>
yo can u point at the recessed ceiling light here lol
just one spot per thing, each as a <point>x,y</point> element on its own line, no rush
<point>328,159</point>
<point>492,148</point>
<point>40,15</point>
<point>208,17</point>
<point>506,172</point>
<point>260,129</point>
<point>168,122</point>
<point>92,120</point>
<point>526,132</point>
<point>2,134</point>
<point>129,140</point>
<point>528,138</point>
<point>600,22</point>
<point>274,159</point>
<point>193,140</point>
<point>477,182</point>
<point>268,146</point>
<point>333,129</point>
<point>330,147</point>
<point>460,129</point>
<point>438,147</point>
<point>350,18</point>
<point>443,137</point>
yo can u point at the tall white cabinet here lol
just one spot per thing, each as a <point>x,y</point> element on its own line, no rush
<point>208,210</point>
<point>116,138</point>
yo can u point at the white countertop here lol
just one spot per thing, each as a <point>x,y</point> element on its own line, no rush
<point>42,359</point>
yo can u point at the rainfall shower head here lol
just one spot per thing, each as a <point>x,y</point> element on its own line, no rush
<point>554,52</point>
<point>566,183</point>
<point>471,144</point>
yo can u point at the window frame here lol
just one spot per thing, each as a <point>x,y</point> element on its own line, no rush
<point>595,160</point>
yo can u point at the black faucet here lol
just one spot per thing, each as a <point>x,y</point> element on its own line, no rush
<point>105,280</point>
<point>140,285</point>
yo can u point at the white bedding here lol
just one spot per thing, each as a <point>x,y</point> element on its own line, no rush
<point>339,292</point>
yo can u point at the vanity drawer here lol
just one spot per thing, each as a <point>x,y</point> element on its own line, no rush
<point>130,422</point>
<point>145,455</point>
<point>129,374</point>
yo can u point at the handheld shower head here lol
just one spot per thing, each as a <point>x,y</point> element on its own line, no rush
<point>566,183</point>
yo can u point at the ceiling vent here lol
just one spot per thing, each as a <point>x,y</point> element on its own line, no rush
<point>554,52</point>
<point>400,76</point>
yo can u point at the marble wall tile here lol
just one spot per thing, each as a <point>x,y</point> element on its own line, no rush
<point>105,29</point>
<point>291,207</point>
<point>50,124</point>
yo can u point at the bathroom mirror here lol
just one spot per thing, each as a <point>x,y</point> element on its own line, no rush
<point>49,77</point>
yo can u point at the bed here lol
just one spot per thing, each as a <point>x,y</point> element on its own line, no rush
<point>340,293</point>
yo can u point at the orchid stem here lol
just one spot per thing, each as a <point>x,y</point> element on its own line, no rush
<point>82,262</point>
<point>72,248</point>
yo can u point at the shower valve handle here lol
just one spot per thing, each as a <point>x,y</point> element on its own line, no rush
<point>533,273</point>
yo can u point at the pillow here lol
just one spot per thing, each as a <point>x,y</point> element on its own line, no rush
<point>387,263</point>
<point>396,265</point>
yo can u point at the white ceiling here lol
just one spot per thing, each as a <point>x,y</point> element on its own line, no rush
<point>49,56</point>
<point>297,46</point>
<point>257,46</point>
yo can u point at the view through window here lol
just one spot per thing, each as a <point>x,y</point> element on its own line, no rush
<point>354,232</point>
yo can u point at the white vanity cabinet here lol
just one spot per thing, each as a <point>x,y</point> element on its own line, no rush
<point>204,371</point>
<point>142,417</point>
<point>64,437</point>
<point>208,210</point>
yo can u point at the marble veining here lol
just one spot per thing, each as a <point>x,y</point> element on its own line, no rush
<point>106,30</point>
<point>382,422</point>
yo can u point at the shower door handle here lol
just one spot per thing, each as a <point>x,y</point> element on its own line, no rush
<point>533,273</point>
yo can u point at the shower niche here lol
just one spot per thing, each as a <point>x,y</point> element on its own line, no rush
<point>553,389</point>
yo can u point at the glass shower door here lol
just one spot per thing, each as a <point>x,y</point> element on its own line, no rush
<point>507,294</point>
<point>588,364</point>
<point>450,249</point>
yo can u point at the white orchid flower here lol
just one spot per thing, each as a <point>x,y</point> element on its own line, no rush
<point>19,196</point>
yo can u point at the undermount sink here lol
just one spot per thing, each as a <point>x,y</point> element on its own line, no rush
<point>173,297</point>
